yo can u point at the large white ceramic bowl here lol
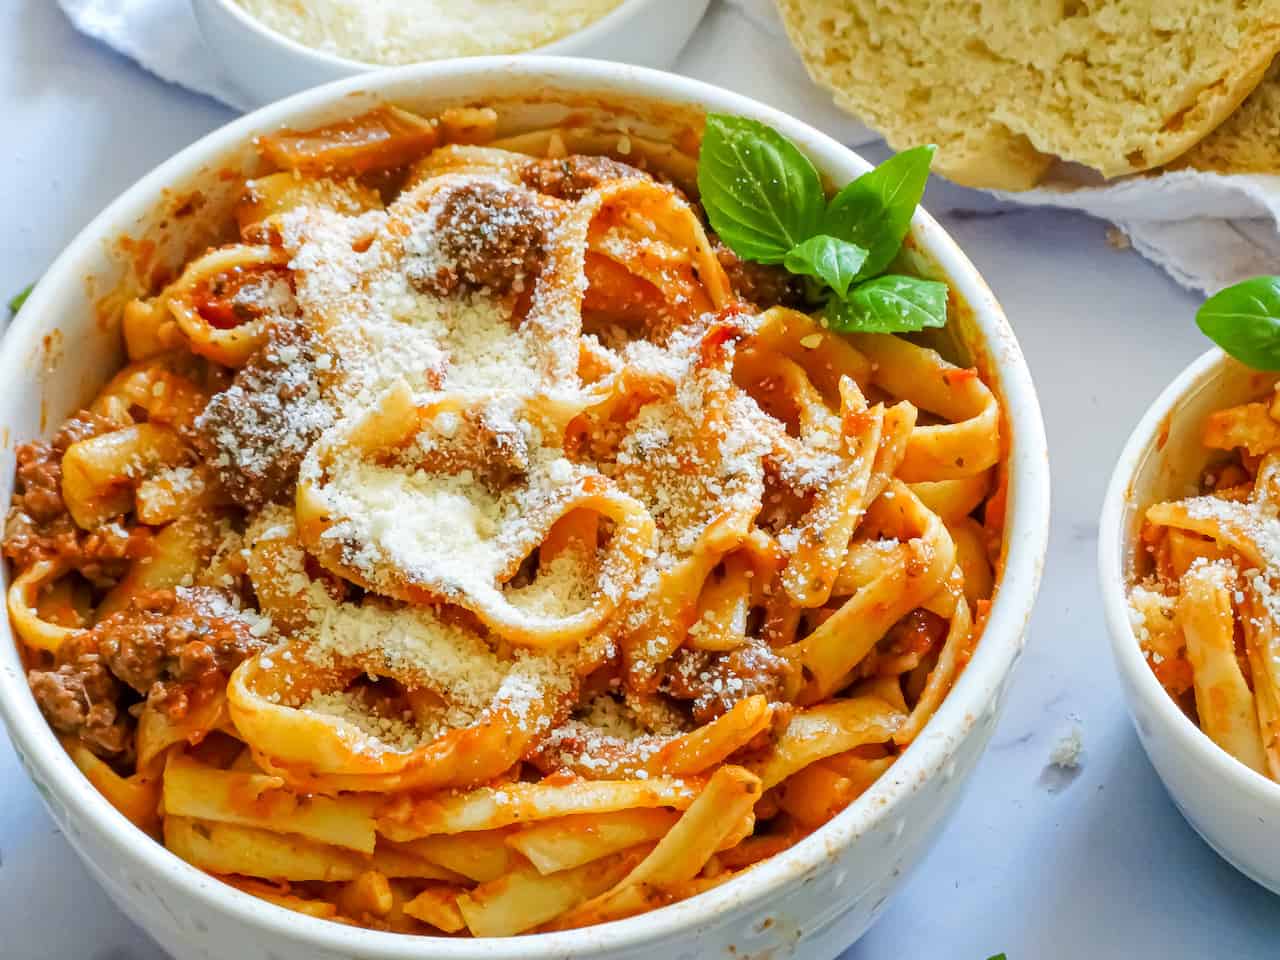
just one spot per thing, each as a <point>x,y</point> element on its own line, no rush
<point>264,65</point>
<point>1233,808</point>
<point>812,900</point>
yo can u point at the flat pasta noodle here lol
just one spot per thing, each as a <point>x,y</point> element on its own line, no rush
<point>323,753</point>
<point>1206,613</point>
<point>194,790</point>
<point>568,842</point>
<point>234,340</point>
<point>438,906</point>
<point>22,597</point>
<point>479,856</point>
<point>676,754</point>
<point>394,862</point>
<point>158,730</point>
<point>828,654</point>
<point>475,546</point>
<point>225,848</point>
<point>681,853</point>
<point>825,730</point>
<point>1224,701</point>
<point>173,557</point>
<point>100,474</point>
<point>967,445</point>
<point>525,899</point>
<point>393,422</point>
<point>491,808</point>
<point>138,796</point>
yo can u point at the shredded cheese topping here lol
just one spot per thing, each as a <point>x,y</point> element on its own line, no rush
<point>391,32</point>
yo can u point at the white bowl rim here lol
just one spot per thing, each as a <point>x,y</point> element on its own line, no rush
<point>1114,583</point>
<point>569,45</point>
<point>976,692</point>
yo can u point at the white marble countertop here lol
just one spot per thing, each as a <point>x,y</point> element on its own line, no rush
<point>1032,864</point>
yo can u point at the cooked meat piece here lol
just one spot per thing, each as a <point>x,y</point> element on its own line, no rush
<point>39,527</point>
<point>39,482</point>
<point>83,426</point>
<point>486,235</point>
<point>164,640</point>
<point>915,635</point>
<point>82,699</point>
<point>256,432</point>
<point>714,682</point>
<point>569,178</point>
<point>168,647</point>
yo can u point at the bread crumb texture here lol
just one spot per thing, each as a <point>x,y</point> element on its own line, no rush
<point>1068,751</point>
<point>1006,87</point>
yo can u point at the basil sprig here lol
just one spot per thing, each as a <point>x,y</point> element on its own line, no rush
<point>892,303</point>
<point>836,263</point>
<point>766,202</point>
<point>758,188</point>
<point>1244,320</point>
<point>875,210</point>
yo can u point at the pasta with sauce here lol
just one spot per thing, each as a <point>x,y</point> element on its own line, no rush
<point>478,546</point>
<point>1206,613</point>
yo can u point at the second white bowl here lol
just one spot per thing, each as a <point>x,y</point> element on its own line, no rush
<point>1233,808</point>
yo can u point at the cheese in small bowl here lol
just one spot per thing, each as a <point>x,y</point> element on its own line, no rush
<point>408,31</point>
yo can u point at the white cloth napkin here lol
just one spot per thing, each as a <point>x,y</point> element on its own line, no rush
<point>1206,230</point>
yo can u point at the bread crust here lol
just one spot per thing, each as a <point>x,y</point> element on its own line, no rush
<point>1006,87</point>
<point>1248,141</point>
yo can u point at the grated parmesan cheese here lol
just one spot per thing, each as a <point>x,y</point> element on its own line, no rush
<point>407,31</point>
<point>395,304</point>
<point>398,733</point>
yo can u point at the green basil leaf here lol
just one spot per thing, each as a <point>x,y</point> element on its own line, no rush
<point>890,304</point>
<point>998,956</point>
<point>875,210</point>
<point>18,299</point>
<point>761,194</point>
<point>834,262</point>
<point>1244,320</point>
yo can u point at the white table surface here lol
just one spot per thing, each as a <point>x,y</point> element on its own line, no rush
<point>1032,864</point>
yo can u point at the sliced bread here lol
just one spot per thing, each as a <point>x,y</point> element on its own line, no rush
<point>1006,86</point>
<point>1248,141</point>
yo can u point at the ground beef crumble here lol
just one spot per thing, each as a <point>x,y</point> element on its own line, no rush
<point>81,698</point>
<point>715,682</point>
<point>39,527</point>
<point>170,647</point>
<point>572,177</point>
<point>486,236</point>
<point>256,432</point>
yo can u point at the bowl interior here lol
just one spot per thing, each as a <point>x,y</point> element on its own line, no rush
<point>576,42</point>
<point>1163,460</point>
<point>1168,464</point>
<point>65,344</point>
<point>196,210</point>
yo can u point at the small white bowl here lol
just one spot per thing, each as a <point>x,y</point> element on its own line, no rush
<point>1235,810</point>
<point>813,899</point>
<point>265,65</point>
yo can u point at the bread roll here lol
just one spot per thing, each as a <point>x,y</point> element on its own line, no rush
<point>1004,87</point>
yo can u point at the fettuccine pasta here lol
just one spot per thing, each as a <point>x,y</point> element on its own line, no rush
<point>475,545</point>
<point>1206,614</point>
